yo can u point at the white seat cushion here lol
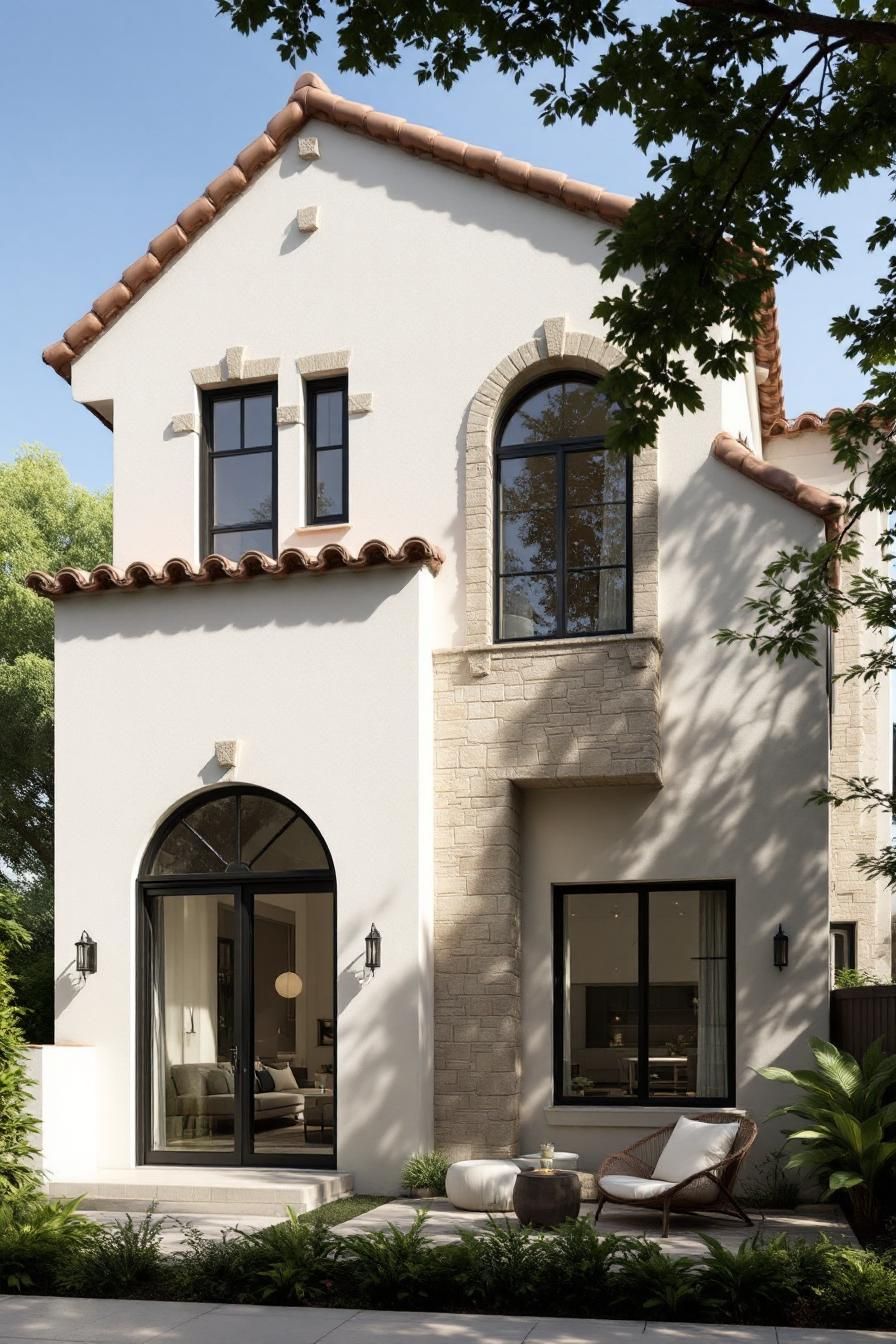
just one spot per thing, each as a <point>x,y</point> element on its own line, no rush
<point>693,1146</point>
<point>633,1187</point>
<point>483,1185</point>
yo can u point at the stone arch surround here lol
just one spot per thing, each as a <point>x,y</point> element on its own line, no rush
<point>551,713</point>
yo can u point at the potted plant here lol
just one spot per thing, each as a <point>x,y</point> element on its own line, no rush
<point>423,1175</point>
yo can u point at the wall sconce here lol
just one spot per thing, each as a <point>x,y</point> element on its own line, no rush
<point>372,950</point>
<point>781,944</point>
<point>85,955</point>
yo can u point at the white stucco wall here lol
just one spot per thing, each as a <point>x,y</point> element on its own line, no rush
<point>744,743</point>
<point>430,277</point>
<point>322,681</point>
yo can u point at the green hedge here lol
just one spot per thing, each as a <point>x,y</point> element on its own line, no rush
<point>47,1248</point>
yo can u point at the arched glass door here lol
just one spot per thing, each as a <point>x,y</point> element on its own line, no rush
<point>237,1004</point>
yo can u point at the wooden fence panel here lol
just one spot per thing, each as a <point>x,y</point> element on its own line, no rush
<point>860,1016</point>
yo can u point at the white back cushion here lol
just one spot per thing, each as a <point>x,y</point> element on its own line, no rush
<point>693,1146</point>
<point>284,1079</point>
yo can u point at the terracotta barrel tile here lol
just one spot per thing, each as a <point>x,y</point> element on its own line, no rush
<point>196,215</point>
<point>347,113</point>
<point>614,208</point>
<point>309,80</point>
<point>448,150</point>
<point>383,126</point>
<point>141,271</point>
<point>226,185</point>
<point>256,154</point>
<point>478,159</point>
<point>168,243</point>
<point>285,123</point>
<point>547,182</point>
<point>59,356</point>
<point>581,195</point>
<point>82,332</point>
<point>513,172</point>
<point>317,102</point>
<point>111,301</point>
<point>416,138</point>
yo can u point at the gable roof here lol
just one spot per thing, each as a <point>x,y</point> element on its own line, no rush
<point>312,99</point>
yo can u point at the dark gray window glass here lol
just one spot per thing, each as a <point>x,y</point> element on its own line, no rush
<point>562,516</point>
<point>241,489</point>
<point>328,451</point>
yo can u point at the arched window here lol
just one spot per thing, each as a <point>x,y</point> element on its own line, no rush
<point>239,831</point>
<point>563,516</point>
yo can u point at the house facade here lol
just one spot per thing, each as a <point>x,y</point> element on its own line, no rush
<point>403,795</point>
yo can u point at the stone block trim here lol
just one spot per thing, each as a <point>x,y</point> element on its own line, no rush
<point>360,403</point>
<point>308,219</point>
<point>309,148</point>
<point>555,349</point>
<point>331,361</point>
<point>188,423</point>
<point>234,368</point>
<point>289,415</point>
<point>557,713</point>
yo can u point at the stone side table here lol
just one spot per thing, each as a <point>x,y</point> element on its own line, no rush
<point>546,1198</point>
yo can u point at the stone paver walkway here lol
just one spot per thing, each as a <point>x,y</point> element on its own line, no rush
<point>90,1321</point>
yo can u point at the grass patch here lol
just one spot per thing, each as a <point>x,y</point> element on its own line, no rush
<point>341,1210</point>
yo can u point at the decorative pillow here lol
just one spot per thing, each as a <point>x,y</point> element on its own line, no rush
<point>693,1146</point>
<point>189,1079</point>
<point>284,1080</point>
<point>300,1073</point>
<point>264,1080</point>
<point>218,1084</point>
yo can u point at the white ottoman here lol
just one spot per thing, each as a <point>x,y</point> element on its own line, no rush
<point>566,1161</point>
<point>482,1185</point>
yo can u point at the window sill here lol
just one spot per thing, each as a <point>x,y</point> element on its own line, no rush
<point>566,642</point>
<point>314,528</point>
<point>623,1117</point>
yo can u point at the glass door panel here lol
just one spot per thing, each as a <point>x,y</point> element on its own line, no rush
<point>193,1023</point>
<point>600,1030</point>
<point>294,1102</point>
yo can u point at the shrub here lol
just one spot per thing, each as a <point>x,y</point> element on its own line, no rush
<point>768,1186</point>
<point>391,1268</point>
<point>123,1259</point>
<point>293,1263</point>
<point>847,978</point>
<point>753,1285</point>
<point>843,1141</point>
<point>425,1171</point>
<point>858,1291</point>
<point>209,1270</point>
<point>502,1270</point>
<point>37,1239</point>
<point>577,1273</point>
<point>648,1282</point>
<point>18,1174</point>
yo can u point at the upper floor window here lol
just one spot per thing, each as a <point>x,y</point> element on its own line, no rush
<point>328,451</point>
<point>563,516</point>
<point>241,485</point>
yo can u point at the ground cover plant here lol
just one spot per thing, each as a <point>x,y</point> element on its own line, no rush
<point>50,1248</point>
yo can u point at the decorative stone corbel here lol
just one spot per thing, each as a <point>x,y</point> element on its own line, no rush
<point>480,664</point>
<point>554,329</point>
<point>188,423</point>
<point>360,403</point>
<point>227,754</point>
<point>289,415</point>
<point>309,147</point>
<point>308,219</point>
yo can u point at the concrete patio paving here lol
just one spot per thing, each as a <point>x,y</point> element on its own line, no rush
<point>91,1321</point>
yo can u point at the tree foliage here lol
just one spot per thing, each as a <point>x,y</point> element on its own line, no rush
<point>741,105</point>
<point>47,522</point>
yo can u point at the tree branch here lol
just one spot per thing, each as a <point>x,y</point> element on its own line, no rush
<point>872,32</point>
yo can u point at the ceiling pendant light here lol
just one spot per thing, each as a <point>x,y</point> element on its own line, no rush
<point>288,985</point>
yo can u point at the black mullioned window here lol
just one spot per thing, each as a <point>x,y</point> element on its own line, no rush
<point>843,948</point>
<point>240,429</point>
<point>562,516</point>
<point>644,994</point>
<point>328,451</point>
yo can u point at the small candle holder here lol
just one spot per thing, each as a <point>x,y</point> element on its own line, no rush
<point>546,1153</point>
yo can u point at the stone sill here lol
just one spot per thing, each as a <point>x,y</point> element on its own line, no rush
<point>624,1117</point>
<point>575,642</point>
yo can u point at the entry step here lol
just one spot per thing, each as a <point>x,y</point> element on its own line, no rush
<point>261,1190</point>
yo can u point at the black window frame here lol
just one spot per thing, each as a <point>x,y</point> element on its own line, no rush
<point>642,890</point>
<point>561,450</point>
<point>848,928</point>
<point>313,389</point>
<point>211,456</point>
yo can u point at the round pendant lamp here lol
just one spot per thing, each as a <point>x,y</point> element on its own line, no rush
<point>288,985</point>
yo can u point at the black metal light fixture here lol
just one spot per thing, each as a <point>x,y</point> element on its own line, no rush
<point>85,955</point>
<point>372,950</point>
<point>781,944</point>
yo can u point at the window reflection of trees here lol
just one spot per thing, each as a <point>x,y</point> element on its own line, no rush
<point>563,482</point>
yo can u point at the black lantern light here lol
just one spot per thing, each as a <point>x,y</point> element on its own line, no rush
<point>85,955</point>
<point>372,949</point>
<point>781,944</point>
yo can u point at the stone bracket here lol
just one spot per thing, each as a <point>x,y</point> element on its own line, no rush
<point>360,403</point>
<point>188,423</point>
<point>309,148</point>
<point>308,219</point>
<point>289,415</point>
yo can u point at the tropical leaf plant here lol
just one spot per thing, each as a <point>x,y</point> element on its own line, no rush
<point>844,1142</point>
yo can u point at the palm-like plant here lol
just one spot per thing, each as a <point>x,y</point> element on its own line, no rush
<point>844,1143</point>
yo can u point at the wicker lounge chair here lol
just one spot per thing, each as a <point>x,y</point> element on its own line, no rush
<point>708,1191</point>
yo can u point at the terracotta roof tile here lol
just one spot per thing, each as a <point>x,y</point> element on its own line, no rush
<point>414,551</point>
<point>809,420</point>
<point>812,498</point>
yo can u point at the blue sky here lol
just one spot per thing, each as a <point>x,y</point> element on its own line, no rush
<point>117,113</point>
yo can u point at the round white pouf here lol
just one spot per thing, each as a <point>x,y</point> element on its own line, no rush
<point>483,1185</point>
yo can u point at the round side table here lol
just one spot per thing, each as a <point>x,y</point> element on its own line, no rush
<point>546,1198</point>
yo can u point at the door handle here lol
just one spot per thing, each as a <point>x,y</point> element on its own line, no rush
<point>235,1058</point>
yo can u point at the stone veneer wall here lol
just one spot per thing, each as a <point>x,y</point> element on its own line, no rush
<point>549,713</point>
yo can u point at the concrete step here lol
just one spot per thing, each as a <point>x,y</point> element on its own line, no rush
<point>260,1190</point>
